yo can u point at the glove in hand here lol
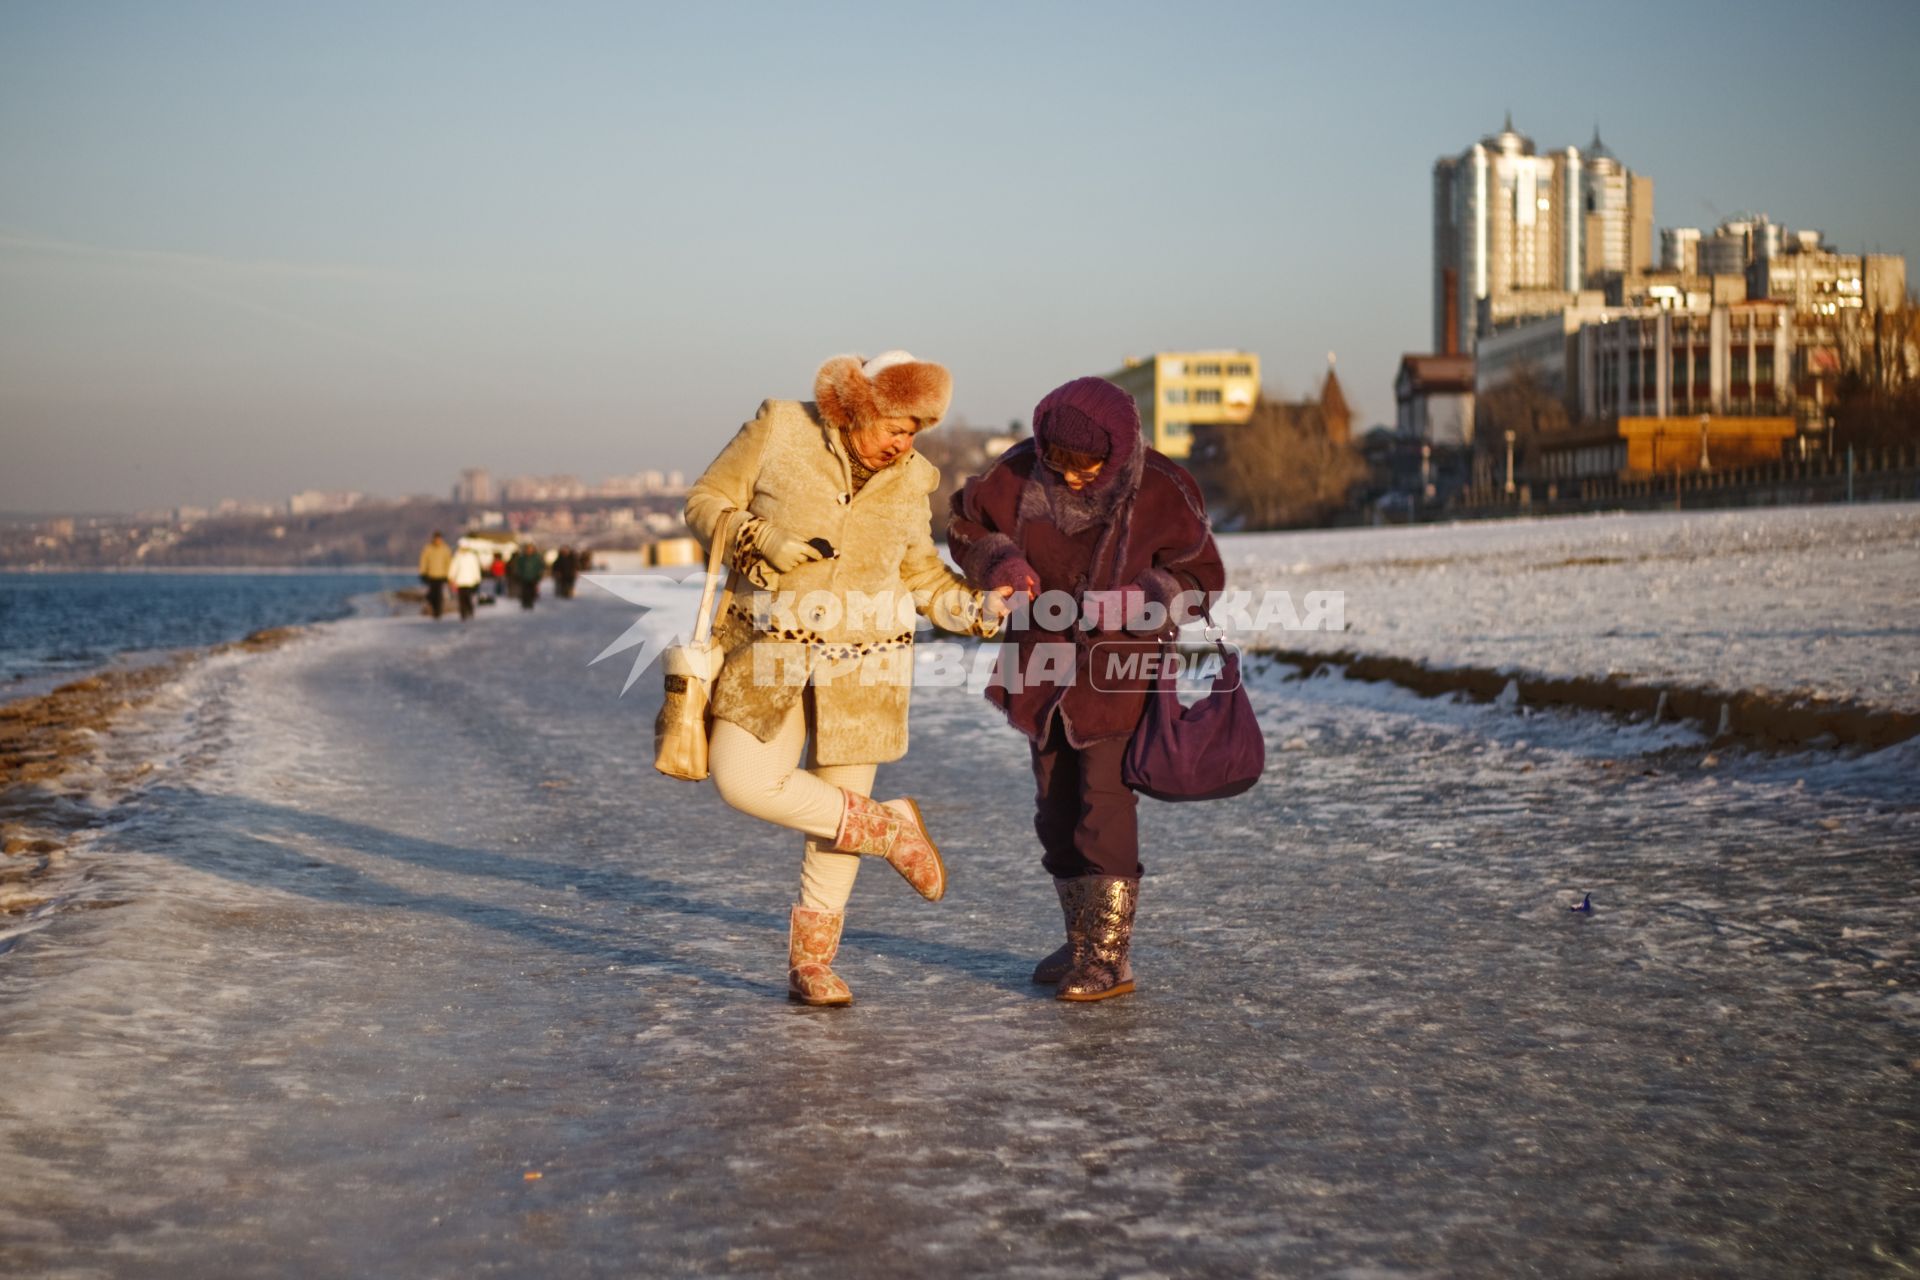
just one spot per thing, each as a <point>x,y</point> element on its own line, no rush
<point>783,551</point>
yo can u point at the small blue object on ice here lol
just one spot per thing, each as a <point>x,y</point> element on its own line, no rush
<point>1586,905</point>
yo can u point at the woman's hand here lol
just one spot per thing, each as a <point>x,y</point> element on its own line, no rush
<point>999,603</point>
<point>783,551</point>
<point>1014,574</point>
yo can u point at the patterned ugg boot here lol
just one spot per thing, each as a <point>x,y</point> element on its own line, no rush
<point>812,939</point>
<point>893,831</point>
<point>1102,914</point>
<point>1050,970</point>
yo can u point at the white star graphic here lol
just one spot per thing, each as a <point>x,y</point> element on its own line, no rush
<point>653,636</point>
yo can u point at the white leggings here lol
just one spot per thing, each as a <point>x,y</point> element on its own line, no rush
<point>764,780</point>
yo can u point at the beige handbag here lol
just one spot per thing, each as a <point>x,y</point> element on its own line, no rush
<point>680,732</point>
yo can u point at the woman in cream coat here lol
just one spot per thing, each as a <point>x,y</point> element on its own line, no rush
<point>825,506</point>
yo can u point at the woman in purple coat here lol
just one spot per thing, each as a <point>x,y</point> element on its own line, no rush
<point>1112,539</point>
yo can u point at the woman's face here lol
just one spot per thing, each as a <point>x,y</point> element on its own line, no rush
<point>1079,477</point>
<point>883,441</point>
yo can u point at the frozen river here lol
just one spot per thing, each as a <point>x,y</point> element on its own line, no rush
<point>404,919</point>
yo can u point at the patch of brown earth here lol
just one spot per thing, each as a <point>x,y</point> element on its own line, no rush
<point>1755,717</point>
<point>44,737</point>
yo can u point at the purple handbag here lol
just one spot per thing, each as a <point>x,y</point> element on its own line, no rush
<point>1208,751</point>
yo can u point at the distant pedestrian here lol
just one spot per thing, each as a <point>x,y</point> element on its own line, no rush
<point>435,559</point>
<point>465,574</point>
<point>497,575</point>
<point>526,569</point>
<point>566,567</point>
<point>1087,510</point>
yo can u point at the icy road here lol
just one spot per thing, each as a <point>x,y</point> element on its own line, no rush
<point>406,964</point>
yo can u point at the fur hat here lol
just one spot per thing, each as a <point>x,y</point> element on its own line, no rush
<point>852,391</point>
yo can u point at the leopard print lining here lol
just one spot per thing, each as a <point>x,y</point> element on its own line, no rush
<point>835,650</point>
<point>739,620</point>
<point>744,555</point>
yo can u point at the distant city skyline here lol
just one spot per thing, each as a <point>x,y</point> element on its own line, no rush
<point>1520,227</point>
<point>247,251</point>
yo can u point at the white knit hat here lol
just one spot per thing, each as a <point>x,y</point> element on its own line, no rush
<point>885,360</point>
<point>853,389</point>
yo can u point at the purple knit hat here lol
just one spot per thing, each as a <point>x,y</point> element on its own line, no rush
<point>1089,415</point>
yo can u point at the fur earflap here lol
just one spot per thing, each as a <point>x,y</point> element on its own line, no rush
<point>897,388</point>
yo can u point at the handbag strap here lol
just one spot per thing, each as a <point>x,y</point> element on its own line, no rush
<point>1172,643</point>
<point>716,556</point>
<point>1219,641</point>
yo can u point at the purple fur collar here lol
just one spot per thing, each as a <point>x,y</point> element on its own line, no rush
<point>1045,496</point>
<point>1071,511</point>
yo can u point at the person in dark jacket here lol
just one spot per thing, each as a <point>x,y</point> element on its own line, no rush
<point>1113,539</point>
<point>526,569</point>
<point>566,568</point>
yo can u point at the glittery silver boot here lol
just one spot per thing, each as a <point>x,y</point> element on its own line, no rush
<point>1101,914</point>
<point>1049,971</point>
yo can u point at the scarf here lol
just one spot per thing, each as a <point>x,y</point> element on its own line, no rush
<point>1108,501</point>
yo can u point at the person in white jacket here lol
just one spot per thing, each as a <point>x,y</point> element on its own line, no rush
<point>465,574</point>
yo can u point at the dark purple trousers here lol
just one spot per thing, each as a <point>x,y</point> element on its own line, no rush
<point>1086,817</point>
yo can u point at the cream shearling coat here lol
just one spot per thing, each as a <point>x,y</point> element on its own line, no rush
<point>844,624</point>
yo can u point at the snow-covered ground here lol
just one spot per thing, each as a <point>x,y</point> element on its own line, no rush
<point>406,963</point>
<point>1815,600</point>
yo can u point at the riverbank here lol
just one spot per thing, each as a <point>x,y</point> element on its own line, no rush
<point>41,737</point>
<point>1745,717</point>
<point>44,739</point>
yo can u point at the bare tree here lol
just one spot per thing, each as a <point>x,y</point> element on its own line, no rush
<point>1878,401</point>
<point>1525,405</point>
<point>1282,467</point>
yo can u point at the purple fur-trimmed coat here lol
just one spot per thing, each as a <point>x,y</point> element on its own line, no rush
<point>1141,524</point>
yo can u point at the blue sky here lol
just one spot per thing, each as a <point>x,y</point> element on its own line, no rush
<point>251,248</point>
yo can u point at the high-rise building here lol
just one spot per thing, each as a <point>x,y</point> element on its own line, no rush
<point>1516,233</point>
<point>1505,220</point>
<point>1823,282</point>
<point>475,486</point>
<point>1737,243</point>
<point>1616,215</point>
<point>1680,250</point>
<point>1799,267</point>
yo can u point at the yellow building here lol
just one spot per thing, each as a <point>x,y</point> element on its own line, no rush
<point>1637,448</point>
<point>1178,389</point>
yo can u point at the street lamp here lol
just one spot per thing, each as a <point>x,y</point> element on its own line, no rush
<point>1509,462</point>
